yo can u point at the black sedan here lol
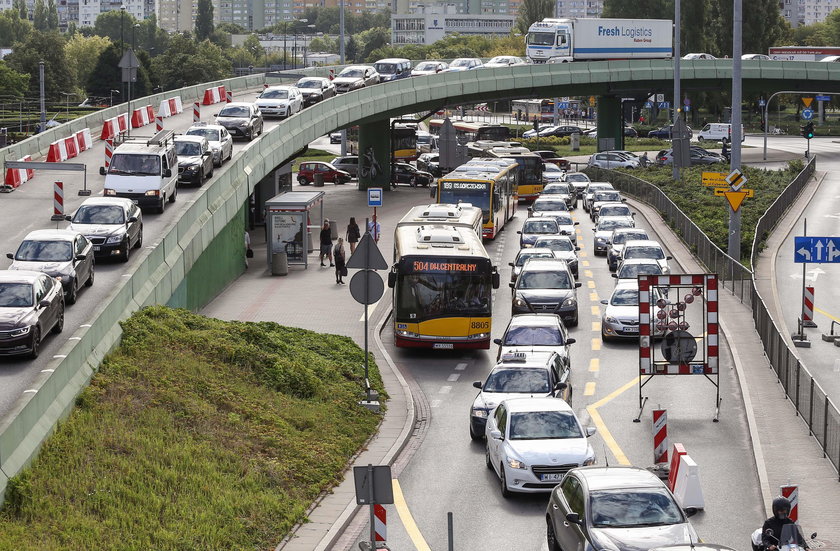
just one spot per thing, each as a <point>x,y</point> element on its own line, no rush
<point>113,224</point>
<point>404,173</point>
<point>664,133</point>
<point>430,162</point>
<point>563,131</point>
<point>31,305</point>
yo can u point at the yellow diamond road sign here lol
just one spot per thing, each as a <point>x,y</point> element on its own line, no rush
<point>715,179</point>
<point>736,179</point>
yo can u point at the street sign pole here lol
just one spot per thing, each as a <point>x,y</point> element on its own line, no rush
<point>675,170</point>
<point>800,340</point>
<point>734,248</point>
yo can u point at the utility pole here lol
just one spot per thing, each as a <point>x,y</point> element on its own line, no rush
<point>43,97</point>
<point>342,61</point>
<point>675,170</point>
<point>734,245</point>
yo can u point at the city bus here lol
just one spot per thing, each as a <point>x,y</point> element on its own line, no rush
<point>404,142</point>
<point>466,131</point>
<point>489,184</point>
<point>442,280</point>
<point>530,169</point>
<point>459,215</point>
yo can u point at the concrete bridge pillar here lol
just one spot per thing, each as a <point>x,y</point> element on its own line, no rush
<point>375,155</point>
<point>610,123</point>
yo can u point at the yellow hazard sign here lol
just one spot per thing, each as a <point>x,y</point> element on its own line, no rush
<point>592,101</point>
<point>736,179</point>
<point>714,179</point>
<point>807,101</point>
<point>722,191</point>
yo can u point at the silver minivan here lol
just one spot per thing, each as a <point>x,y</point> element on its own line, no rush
<point>393,69</point>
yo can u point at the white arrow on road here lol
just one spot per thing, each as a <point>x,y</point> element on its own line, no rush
<point>804,252</point>
<point>832,215</point>
<point>812,275</point>
<point>833,252</point>
<point>819,248</point>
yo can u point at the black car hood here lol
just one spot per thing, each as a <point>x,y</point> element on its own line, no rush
<point>539,296</point>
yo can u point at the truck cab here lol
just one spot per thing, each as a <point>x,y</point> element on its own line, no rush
<point>550,41</point>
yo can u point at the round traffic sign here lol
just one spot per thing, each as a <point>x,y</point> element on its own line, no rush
<point>807,114</point>
<point>366,286</point>
<point>679,347</point>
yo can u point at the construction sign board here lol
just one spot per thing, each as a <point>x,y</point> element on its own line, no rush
<point>714,179</point>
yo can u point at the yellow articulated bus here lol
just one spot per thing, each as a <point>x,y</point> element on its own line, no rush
<point>530,169</point>
<point>489,184</point>
<point>442,280</point>
<point>461,215</point>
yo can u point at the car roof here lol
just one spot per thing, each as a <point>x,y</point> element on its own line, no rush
<point>534,320</point>
<point>629,261</point>
<point>113,201</point>
<point>51,235</point>
<point>524,404</point>
<point>626,284</point>
<point>531,360</point>
<point>280,87</point>
<point>550,238</point>
<point>643,243</point>
<point>357,67</point>
<point>537,218</point>
<point>544,265</point>
<point>313,78</point>
<point>203,125</point>
<point>535,250</point>
<point>618,477</point>
<point>630,230</point>
<point>393,60</point>
<point>190,138</point>
<point>238,104</point>
<point>18,276</point>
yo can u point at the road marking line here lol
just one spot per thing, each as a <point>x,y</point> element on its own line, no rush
<point>589,389</point>
<point>454,377</point>
<point>596,325</point>
<point>461,366</point>
<point>444,390</point>
<point>407,520</point>
<point>74,339</point>
<point>594,297</point>
<point>596,311</point>
<point>587,273</point>
<point>582,253</point>
<point>59,356</point>
<point>370,309</point>
<point>585,264</point>
<point>602,427</point>
<point>826,314</point>
<point>85,325</point>
<point>594,365</point>
<point>590,284</point>
<point>48,371</point>
<point>596,344</point>
<point>435,403</point>
<point>30,391</point>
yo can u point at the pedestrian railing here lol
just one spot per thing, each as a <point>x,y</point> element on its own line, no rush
<point>811,402</point>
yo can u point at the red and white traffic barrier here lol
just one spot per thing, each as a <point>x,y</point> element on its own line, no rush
<point>114,126</point>
<point>660,436</point>
<point>58,200</point>
<point>687,488</point>
<point>72,146</point>
<point>196,112</point>
<point>265,85</point>
<point>791,493</point>
<point>808,308</point>
<point>109,151</point>
<point>57,152</point>
<point>332,74</point>
<point>228,96</point>
<point>142,116</point>
<point>83,140</point>
<point>15,177</point>
<point>158,123</point>
<point>677,451</point>
<point>171,106</point>
<point>380,525</point>
<point>214,95</point>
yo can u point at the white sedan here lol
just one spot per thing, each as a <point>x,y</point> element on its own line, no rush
<point>533,442</point>
<point>280,101</point>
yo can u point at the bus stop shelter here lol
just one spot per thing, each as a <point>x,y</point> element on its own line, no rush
<point>289,219</point>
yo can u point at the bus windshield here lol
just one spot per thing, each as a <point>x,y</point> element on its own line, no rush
<point>476,193</point>
<point>495,133</point>
<point>433,295</point>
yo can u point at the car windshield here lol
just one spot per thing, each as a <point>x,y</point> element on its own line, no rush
<point>146,165</point>
<point>630,271</point>
<point>564,219</point>
<point>16,295</point>
<point>275,94</point>
<point>235,111</point>
<point>99,214</point>
<point>210,134</point>
<point>596,189</point>
<point>45,251</point>
<point>540,226</point>
<point>644,252</point>
<point>557,188</point>
<point>627,508</point>
<point>607,196</point>
<point>518,380</point>
<point>615,210</point>
<point>544,280</point>
<point>426,66</point>
<point>543,425</point>
<point>309,84</point>
<point>352,73</point>
<point>385,68</point>
<point>550,204</point>
<point>525,255</point>
<point>555,244</point>
<point>460,63</point>
<point>577,178</point>
<point>625,297</point>
<point>606,224</point>
<point>187,149</point>
<point>534,335</point>
<point>622,237</point>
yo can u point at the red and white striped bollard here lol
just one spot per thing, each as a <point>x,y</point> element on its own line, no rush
<point>158,123</point>
<point>109,151</point>
<point>660,436</point>
<point>791,493</point>
<point>58,202</point>
<point>808,311</point>
<point>380,524</point>
<point>228,96</point>
<point>196,111</point>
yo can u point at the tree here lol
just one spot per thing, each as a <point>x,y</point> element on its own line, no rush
<point>351,50</point>
<point>106,75</point>
<point>231,28</point>
<point>83,54</point>
<point>204,20</point>
<point>185,63</point>
<point>254,48</point>
<point>116,25</point>
<point>40,17</point>
<point>12,27</point>
<point>20,7</point>
<point>52,16</point>
<point>531,11</point>
<point>372,39</point>
<point>12,83</point>
<point>640,9</point>
<point>49,48</point>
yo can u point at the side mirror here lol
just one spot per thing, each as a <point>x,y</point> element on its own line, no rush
<point>691,511</point>
<point>44,303</point>
<point>668,258</point>
<point>132,219</point>
<point>167,172</point>
<point>102,170</point>
<point>519,232</point>
<point>614,275</point>
<point>68,217</point>
<point>511,285</point>
<point>496,435</point>
<point>477,384</point>
<point>594,229</point>
<point>571,340</point>
<point>496,280</point>
<point>561,386</point>
<point>577,223</point>
<point>497,341</point>
<point>510,264</point>
<point>590,431</point>
<point>206,154</point>
<point>392,279</point>
<point>574,518</point>
<point>577,248</point>
<point>578,284</point>
<point>604,301</point>
<point>81,256</point>
<point>10,256</point>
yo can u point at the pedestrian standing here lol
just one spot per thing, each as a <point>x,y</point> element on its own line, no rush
<point>643,160</point>
<point>340,266</point>
<point>326,243</point>
<point>353,234</point>
<point>249,253</point>
<point>375,229</point>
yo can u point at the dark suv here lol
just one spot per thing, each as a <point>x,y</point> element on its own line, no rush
<point>546,287</point>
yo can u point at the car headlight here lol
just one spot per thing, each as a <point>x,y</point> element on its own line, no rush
<point>666,270</point>
<point>600,240</point>
<point>479,412</point>
<point>20,331</point>
<point>114,239</point>
<point>515,463</point>
<point>610,319</point>
<point>519,302</point>
<point>153,192</point>
<point>569,302</point>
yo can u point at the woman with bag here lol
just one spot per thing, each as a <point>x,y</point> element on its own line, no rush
<point>353,234</point>
<point>340,266</point>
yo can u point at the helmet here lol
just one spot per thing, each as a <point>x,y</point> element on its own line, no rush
<point>781,504</point>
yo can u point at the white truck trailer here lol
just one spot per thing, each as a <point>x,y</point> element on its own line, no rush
<point>564,40</point>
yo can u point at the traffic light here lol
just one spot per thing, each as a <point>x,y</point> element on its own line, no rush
<point>808,130</point>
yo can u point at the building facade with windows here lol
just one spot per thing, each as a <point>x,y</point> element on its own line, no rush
<point>807,12</point>
<point>432,23</point>
<point>578,8</point>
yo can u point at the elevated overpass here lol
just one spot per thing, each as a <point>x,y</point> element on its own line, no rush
<point>182,268</point>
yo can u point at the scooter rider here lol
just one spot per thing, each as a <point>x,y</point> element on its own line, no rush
<point>771,531</point>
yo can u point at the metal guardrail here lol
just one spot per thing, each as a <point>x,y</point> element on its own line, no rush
<point>810,400</point>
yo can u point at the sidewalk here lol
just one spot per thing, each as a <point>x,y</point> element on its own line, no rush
<point>311,299</point>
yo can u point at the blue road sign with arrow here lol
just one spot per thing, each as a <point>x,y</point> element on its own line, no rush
<point>664,105</point>
<point>816,250</point>
<point>807,114</point>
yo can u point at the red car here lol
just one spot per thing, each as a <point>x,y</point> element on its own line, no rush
<point>549,156</point>
<point>308,170</point>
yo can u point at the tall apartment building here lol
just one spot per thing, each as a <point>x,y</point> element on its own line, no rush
<point>578,8</point>
<point>807,12</point>
<point>475,7</point>
<point>431,23</point>
<point>89,10</point>
<point>176,15</point>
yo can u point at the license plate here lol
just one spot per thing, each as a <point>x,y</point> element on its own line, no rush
<point>134,201</point>
<point>96,248</point>
<point>631,329</point>
<point>551,477</point>
<point>443,346</point>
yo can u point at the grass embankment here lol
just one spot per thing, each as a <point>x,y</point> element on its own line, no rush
<point>195,434</point>
<point>589,145</point>
<point>315,155</point>
<point>711,213</point>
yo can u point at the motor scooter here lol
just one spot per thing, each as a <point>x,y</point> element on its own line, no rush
<point>791,539</point>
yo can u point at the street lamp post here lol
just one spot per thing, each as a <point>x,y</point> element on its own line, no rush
<point>122,32</point>
<point>111,103</point>
<point>130,75</point>
<point>67,101</point>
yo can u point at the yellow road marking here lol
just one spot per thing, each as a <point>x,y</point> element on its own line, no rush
<point>593,296</point>
<point>589,389</point>
<point>826,314</point>
<point>596,344</point>
<point>407,520</point>
<point>590,284</point>
<point>585,263</point>
<point>587,273</point>
<point>602,427</point>
<point>582,254</point>
<point>596,325</point>
<point>596,311</point>
<point>594,365</point>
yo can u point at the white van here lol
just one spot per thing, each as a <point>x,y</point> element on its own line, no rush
<point>144,170</point>
<point>718,132</point>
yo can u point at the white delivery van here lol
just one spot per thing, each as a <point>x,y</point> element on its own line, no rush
<point>718,132</point>
<point>144,170</point>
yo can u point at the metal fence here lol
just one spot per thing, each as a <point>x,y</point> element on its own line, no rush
<point>810,400</point>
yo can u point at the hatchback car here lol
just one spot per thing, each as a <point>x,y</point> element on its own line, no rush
<point>525,254</point>
<point>646,249</point>
<point>241,120</point>
<point>565,223</point>
<point>335,137</point>
<point>609,210</point>
<point>546,286</point>
<point>535,227</point>
<point>280,101</point>
<point>626,508</point>
<point>112,224</point>
<point>221,143</point>
<point>66,255</point>
<point>330,174</point>
<point>424,68</point>
<point>602,197</point>
<point>31,305</point>
<point>616,244</point>
<point>534,332</point>
<point>463,64</point>
<point>315,89</point>
<point>612,160</point>
<point>620,318</point>
<point>698,56</point>
<point>563,131</point>
<point>533,442</point>
<point>579,180</point>
<point>349,164</point>
<point>355,77</point>
<point>564,190</point>
<point>604,228</point>
<point>755,57</point>
<point>503,61</point>
<point>518,374</point>
<point>548,203</point>
<point>195,160</point>
<point>563,247</point>
<point>404,173</point>
<point>632,268</point>
<point>589,192</point>
<point>664,133</point>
